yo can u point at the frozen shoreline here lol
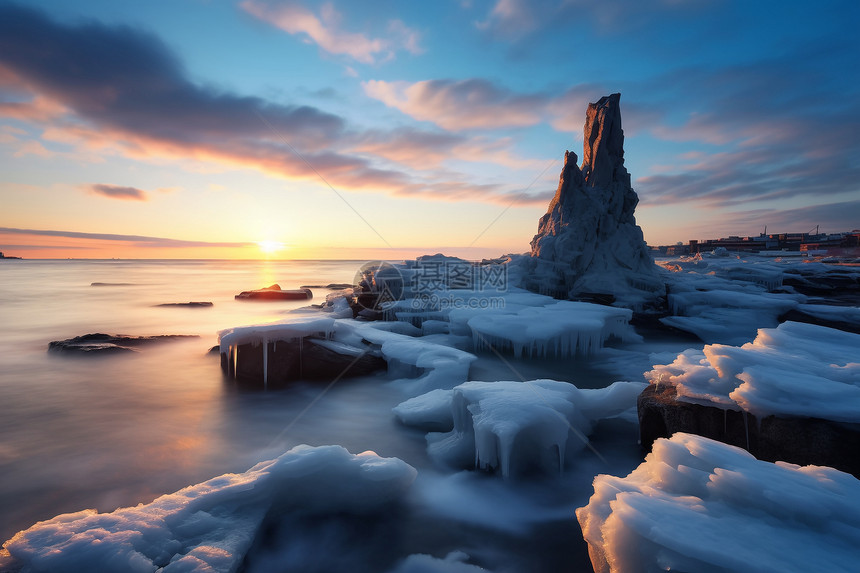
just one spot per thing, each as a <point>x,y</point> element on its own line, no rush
<point>249,423</point>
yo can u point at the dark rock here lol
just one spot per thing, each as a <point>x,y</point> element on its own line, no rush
<point>103,344</point>
<point>274,292</point>
<point>801,441</point>
<point>332,286</point>
<point>306,359</point>
<point>796,315</point>
<point>188,304</point>
<point>215,349</point>
<point>111,284</point>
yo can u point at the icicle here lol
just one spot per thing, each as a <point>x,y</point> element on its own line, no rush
<point>561,447</point>
<point>265,363</point>
<point>235,361</point>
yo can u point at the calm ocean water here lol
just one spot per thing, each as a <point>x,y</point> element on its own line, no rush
<point>109,432</point>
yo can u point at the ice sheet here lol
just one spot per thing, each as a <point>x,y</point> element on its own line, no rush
<point>704,506</point>
<point>514,427</point>
<point>795,369</point>
<point>208,527</point>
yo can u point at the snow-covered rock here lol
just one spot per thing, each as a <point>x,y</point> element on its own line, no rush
<point>297,348</point>
<point>793,370</point>
<point>700,505</point>
<point>793,395</point>
<point>519,322</point>
<point>588,242</point>
<point>514,427</point>
<point>726,301</point>
<point>208,527</point>
<point>564,328</point>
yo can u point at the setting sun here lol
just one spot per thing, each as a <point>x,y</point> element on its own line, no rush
<point>270,247</point>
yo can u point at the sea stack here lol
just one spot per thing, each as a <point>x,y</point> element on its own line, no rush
<point>588,244</point>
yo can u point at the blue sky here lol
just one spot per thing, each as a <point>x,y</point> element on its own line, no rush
<point>389,129</point>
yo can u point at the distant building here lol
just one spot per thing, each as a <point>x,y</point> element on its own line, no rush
<point>835,244</point>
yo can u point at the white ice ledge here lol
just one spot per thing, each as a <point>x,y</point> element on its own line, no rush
<point>514,427</point>
<point>795,369</point>
<point>704,506</point>
<point>210,526</point>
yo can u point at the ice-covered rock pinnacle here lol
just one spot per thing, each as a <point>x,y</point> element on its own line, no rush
<point>588,242</point>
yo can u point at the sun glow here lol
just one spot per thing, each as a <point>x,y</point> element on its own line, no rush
<point>270,247</point>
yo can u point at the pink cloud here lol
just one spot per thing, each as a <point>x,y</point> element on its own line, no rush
<point>325,30</point>
<point>144,107</point>
<point>458,105</point>
<point>117,192</point>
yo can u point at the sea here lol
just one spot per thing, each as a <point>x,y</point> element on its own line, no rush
<point>116,431</point>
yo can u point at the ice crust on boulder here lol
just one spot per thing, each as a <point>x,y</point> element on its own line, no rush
<point>514,427</point>
<point>795,369</point>
<point>699,505</point>
<point>424,364</point>
<point>208,527</point>
<point>520,322</point>
<point>293,328</point>
<point>725,301</point>
<point>564,328</point>
<point>588,241</point>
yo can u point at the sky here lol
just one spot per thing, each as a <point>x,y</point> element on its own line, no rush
<point>294,129</point>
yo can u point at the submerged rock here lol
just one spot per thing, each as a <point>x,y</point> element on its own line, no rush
<point>188,304</point>
<point>332,286</point>
<point>588,243</point>
<point>274,292</point>
<point>103,344</point>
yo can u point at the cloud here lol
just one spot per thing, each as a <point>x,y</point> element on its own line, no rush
<point>762,136</point>
<point>459,105</point>
<point>516,18</point>
<point>117,192</point>
<point>325,30</point>
<point>138,240</point>
<point>522,20</point>
<point>476,103</point>
<point>423,150</point>
<point>833,217</point>
<point>120,90</point>
<point>127,79</point>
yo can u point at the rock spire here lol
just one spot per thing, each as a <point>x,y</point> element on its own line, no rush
<point>588,244</point>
